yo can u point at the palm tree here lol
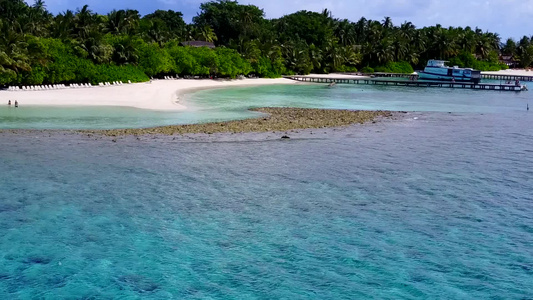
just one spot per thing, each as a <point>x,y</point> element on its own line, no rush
<point>483,46</point>
<point>250,50</point>
<point>387,23</point>
<point>125,51</point>
<point>509,47</point>
<point>206,33</point>
<point>401,48</point>
<point>115,20</point>
<point>13,52</point>
<point>361,29</point>
<point>327,13</point>
<point>122,22</point>
<point>407,30</point>
<point>418,42</point>
<point>375,34</point>
<point>466,40</point>
<point>84,22</point>
<point>155,31</point>
<point>384,52</point>
<point>62,25</point>
<point>315,55</point>
<point>350,55</point>
<point>37,20</point>
<point>296,56</point>
<point>345,32</point>
<point>190,32</point>
<point>88,32</point>
<point>494,40</point>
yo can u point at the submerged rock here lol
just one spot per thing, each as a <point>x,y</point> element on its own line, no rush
<point>41,260</point>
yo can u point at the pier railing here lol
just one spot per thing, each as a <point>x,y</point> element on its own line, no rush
<point>502,77</point>
<point>511,78</point>
<point>411,83</point>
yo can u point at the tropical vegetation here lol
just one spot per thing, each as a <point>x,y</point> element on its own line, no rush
<point>37,47</point>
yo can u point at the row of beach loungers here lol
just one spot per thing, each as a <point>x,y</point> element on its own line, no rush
<point>62,86</point>
<point>37,87</point>
<point>112,83</point>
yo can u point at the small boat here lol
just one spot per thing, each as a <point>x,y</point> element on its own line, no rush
<point>437,70</point>
<point>332,84</point>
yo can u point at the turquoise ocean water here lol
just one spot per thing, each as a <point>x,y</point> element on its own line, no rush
<point>435,206</point>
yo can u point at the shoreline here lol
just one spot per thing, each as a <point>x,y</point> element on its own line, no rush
<point>163,95</point>
<point>511,72</point>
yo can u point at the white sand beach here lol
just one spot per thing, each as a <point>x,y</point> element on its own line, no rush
<point>335,76</point>
<point>512,72</point>
<point>155,95</point>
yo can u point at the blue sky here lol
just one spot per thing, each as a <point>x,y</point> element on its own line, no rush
<point>509,18</point>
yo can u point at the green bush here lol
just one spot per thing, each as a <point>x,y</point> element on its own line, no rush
<point>468,60</point>
<point>367,70</point>
<point>382,69</point>
<point>204,61</point>
<point>109,73</point>
<point>401,67</point>
<point>231,63</point>
<point>264,68</point>
<point>154,60</point>
<point>7,76</point>
<point>396,67</point>
<point>347,69</point>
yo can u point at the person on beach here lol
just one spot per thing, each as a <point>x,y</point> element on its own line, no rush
<point>16,103</point>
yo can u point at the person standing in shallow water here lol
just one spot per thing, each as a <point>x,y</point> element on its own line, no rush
<point>9,102</point>
<point>16,103</point>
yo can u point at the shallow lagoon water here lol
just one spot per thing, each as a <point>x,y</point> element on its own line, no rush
<point>366,98</point>
<point>45,117</point>
<point>437,205</point>
<point>231,104</point>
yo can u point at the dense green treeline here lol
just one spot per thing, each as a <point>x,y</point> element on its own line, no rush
<point>37,47</point>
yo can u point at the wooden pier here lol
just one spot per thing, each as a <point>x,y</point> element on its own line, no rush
<point>413,83</point>
<point>391,75</point>
<point>502,77</point>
